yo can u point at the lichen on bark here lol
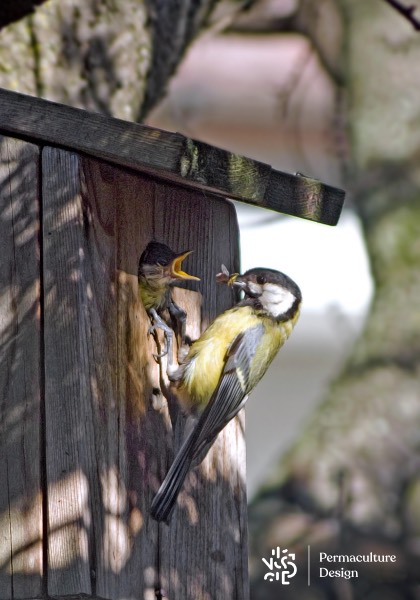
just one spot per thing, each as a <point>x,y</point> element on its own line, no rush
<point>102,55</point>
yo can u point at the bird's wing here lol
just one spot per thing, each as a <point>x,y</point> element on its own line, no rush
<point>226,401</point>
<point>232,391</point>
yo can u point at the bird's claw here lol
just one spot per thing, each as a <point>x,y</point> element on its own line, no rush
<point>158,355</point>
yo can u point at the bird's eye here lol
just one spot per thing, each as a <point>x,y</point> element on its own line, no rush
<point>261,279</point>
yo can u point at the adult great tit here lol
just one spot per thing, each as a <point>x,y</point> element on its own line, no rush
<point>159,268</point>
<point>224,365</point>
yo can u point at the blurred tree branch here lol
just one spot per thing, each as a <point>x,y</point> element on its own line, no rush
<point>320,22</point>
<point>406,11</point>
<point>111,57</point>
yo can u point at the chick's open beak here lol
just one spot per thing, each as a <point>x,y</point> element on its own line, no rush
<point>176,270</point>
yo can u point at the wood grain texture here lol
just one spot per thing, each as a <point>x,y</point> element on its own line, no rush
<point>71,366</point>
<point>20,382</point>
<point>182,564</point>
<point>168,155</point>
<point>304,197</point>
<point>109,437</point>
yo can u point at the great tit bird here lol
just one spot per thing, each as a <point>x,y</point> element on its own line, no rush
<point>224,365</point>
<point>159,268</point>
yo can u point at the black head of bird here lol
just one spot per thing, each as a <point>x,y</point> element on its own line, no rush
<point>271,291</point>
<point>159,268</point>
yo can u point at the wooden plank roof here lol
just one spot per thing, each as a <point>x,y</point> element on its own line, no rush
<point>170,156</point>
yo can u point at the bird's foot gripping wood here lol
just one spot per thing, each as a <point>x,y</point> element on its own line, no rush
<point>179,317</point>
<point>158,323</point>
<point>153,329</point>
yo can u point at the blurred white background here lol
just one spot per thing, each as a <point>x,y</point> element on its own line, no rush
<point>330,266</point>
<point>268,98</point>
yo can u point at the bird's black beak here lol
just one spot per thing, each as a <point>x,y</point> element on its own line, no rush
<point>246,285</point>
<point>238,281</point>
<point>175,267</point>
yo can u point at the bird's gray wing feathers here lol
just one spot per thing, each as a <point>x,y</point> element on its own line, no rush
<point>226,401</point>
<point>232,391</point>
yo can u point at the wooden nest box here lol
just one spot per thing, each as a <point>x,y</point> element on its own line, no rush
<point>84,441</point>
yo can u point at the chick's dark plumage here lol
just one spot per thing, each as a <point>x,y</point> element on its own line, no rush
<point>158,270</point>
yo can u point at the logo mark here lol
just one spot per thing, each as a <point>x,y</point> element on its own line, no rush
<point>281,562</point>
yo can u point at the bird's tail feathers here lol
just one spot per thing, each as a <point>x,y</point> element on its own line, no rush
<point>165,499</point>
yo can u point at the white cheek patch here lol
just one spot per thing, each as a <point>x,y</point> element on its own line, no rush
<point>276,300</point>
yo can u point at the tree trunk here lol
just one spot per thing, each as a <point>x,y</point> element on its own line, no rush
<point>105,56</point>
<point>351,484</point>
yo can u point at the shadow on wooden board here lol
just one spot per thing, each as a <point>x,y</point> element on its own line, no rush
<point>84,446</point>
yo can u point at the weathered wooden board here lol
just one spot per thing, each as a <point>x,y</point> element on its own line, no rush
<point>72,362</point>
<point>108,446</point>
<point>20,380</point>
<point>203,553</point>
<point>169,155</point>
